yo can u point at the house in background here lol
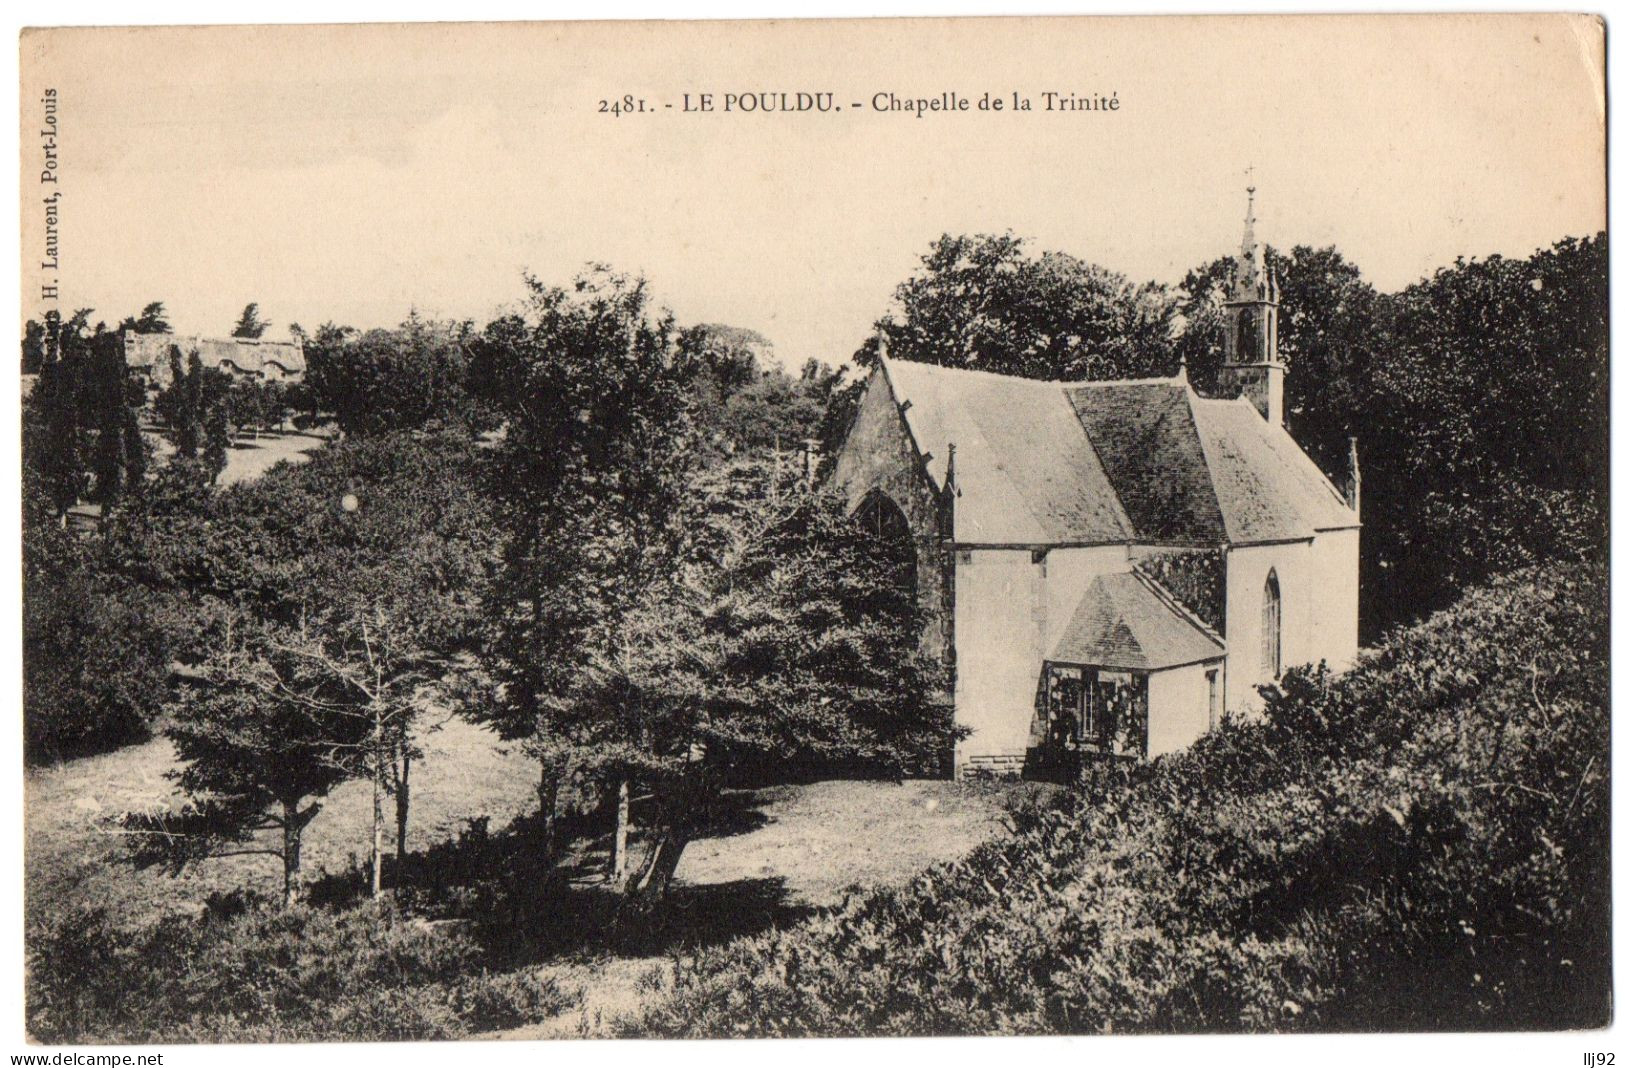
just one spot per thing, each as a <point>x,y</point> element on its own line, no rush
<point>1109,567</point>
<point>275,361</point>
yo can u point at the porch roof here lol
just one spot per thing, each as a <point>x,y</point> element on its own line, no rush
<point>1127,623</point>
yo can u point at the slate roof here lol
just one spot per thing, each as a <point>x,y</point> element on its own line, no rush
<point>1092,463</point>
<point>246,354</point>
<point>1127,623</point>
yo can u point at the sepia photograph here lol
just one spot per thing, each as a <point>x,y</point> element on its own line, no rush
<point>821,528</point>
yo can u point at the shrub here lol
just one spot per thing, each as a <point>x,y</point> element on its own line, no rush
<point>1421,843</point>
<point>249,972</point>
<point>95,665</point>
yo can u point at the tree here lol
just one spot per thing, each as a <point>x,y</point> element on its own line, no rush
<point>1485,425</point>
<point>79,422</point>
<point>249,324</point>
<point>337,599</point>
<point>789,638</point>
<point>197,405</point>
<point>983,302</point>
<point>34,341</point>
<point>260,747</point>
<point>589,479</point>
<point>733,357</point>
<point>385,380</point>
<point>397,575</point>
<point>152,320</point>
<point>325,372</point>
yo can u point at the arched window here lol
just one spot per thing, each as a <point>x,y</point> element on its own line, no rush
<point>879,515</point>
<point>1246,335</point>
<point>1272,627</point>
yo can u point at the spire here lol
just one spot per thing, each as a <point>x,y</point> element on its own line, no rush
<point>1248,281</point>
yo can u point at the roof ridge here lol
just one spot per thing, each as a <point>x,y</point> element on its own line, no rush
<point>1060,383</point>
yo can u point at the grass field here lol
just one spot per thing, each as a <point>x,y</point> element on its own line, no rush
<point>249,456</point>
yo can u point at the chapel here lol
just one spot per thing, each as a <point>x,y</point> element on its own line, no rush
<point>1110,567</point>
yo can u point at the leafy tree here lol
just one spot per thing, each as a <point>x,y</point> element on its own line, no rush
<point>152,320</point>
<point>589,477</point>
<point>789,639</point>
<point>386,380</point>
<point>984,302</point>
<point>335,597</point>
<point>34,342</point>
<point>772,413</point>
<point>79,422</point>
<point>196,403</point>
<point>325,374</point>
<point>259,749</point>
<point>733,357</point>
<point>257,404</point>
<point>1485,428</point>
<point>249,324</point>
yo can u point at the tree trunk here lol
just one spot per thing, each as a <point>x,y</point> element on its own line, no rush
<point>548,793</point>
<point>648,887</point>
<point>377,825</point>
<point>403,795</point>
<point>293,828</point>
<point>623,822</point>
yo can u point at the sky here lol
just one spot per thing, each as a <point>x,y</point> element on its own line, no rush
<point>351,174</point>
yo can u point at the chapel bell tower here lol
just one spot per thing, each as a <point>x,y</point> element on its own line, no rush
<point>1252,363</point>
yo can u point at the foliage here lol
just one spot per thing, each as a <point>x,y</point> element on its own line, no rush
<point>1484,438</point>
<point>249,324</point>
<point>1195,577</point>
<point>772,413</point>
<point>385,380</point>
<point>79,422</point>
<point>154,319</point>
<point>260,743</point>
<point>95,657</point>
<point>984,302</point>
<point>196,404</point>
<point>257,404</point>
<point>789,640</point>
<point>1419,844</point>
<point>589,477</point>
<point>247,972</point>
<point>732,357</point>
<point>332,599</point>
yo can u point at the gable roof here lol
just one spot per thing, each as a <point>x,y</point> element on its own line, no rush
<point>1123,622</point>
<point>1037,479</point>
<point>245,354</point>
<point>1093,463</point>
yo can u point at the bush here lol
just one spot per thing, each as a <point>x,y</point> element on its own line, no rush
<point>1419,844</point>
<point>249,972</point>
<point>95,665</point>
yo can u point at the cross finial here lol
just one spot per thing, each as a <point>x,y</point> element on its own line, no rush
<point>1251,189</point>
